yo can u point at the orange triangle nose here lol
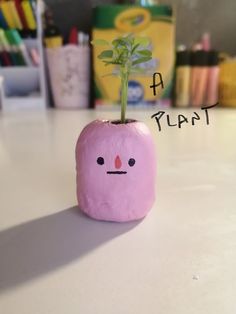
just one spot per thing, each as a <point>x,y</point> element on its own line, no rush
<point>118,162</point>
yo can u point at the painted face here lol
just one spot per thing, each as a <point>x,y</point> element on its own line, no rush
<point>117,165</point>
<point>115,170</point>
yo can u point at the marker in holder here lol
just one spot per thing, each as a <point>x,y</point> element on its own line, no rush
<point>69,75</point>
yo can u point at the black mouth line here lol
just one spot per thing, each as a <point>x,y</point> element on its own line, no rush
<point>116,172</point>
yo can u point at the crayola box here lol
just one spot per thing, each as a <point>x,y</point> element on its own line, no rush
<point>156,23</point>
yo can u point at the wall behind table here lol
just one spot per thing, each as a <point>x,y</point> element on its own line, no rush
<point>193,18</point>
<point>68,13</point>
<point>197,16</point>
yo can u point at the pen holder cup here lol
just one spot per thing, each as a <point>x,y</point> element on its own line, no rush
<point>69,76</point>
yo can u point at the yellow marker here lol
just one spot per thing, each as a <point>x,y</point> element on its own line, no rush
<point>7,12</point>
<point>53,42</point>
<point>15,15</point>
<point>227,83</point>
<point>29,16</point>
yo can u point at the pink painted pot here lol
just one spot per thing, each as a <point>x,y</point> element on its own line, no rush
<point>116,169</point>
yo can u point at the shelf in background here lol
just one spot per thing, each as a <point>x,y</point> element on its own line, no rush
<point>25,86</point>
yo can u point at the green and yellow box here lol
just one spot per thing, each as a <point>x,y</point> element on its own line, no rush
<point>155,22</point>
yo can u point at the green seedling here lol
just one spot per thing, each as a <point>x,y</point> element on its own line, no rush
<point>127,53</point>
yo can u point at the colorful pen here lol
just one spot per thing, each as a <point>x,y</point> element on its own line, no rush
<point>14,48</point>
<point>199,72</point>
<point>183,71</point>
<point>21,46</point>
<point>212,78</point>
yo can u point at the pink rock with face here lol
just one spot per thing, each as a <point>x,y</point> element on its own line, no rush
<point>116,169</point>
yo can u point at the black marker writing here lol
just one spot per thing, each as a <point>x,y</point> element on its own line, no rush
<point>158,116</point>
<point>168,121</point>
<point>195,118</point>
<point>184,119</point>
<point>181,118</point>
<point>206,112</point>
<point>155,84</point>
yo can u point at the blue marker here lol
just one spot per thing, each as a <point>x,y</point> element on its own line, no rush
<point>3,22</point>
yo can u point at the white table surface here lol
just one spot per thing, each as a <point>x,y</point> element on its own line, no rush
<point>180,259</point>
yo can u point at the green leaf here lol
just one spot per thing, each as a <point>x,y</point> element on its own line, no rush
<point>145,52</point>
<point>119,51</point>
<point>134,48</point>
<point>123,55</point>
<point>136,70</point>
<point>141,60</point>
<point>142,41</point>
<point>106,54</point>
<point>125,41</point>
<point>107,62</point>
<point>99,42</point>
<point>118,42</point>
<point>129,39</point>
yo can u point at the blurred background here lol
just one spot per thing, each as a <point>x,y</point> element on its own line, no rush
<point>193,18</point>
<point>46,59</point>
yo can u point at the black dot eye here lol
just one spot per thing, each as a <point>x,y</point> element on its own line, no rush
<point>100,160</point>
<point>131,162</point>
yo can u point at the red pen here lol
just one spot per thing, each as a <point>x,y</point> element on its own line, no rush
<point>21,13</point>
<point>5,59</point>
<point>73,37</point>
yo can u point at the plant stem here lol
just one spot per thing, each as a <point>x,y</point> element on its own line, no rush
<point>124,93</point>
